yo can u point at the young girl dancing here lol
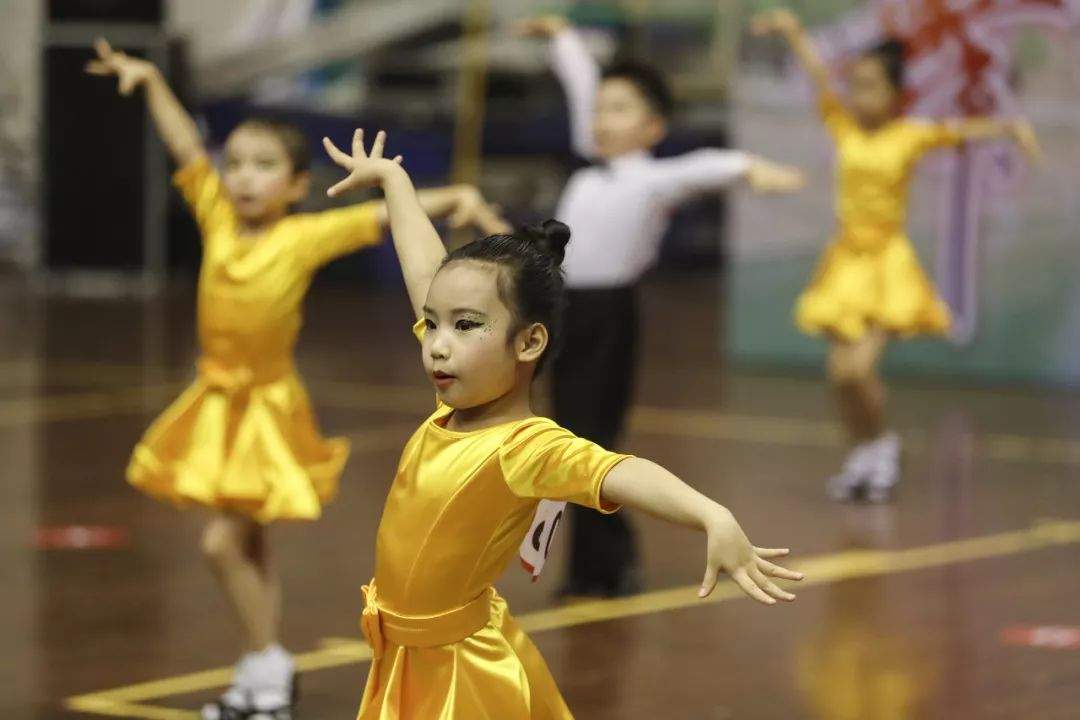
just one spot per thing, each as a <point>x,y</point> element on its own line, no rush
<point>619,209</point>
<point>868,287</point>
<point>471,477</point>
<point>243,440</point>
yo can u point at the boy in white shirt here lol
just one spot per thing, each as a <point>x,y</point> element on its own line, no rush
<point>618,210</point>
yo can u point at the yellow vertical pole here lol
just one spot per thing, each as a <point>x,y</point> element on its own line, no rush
<point>472,85</point>
<point>727,31</point>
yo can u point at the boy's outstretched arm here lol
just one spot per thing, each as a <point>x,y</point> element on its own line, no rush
<point>712,169</point>
<point>419,247</point>
<point>644,485</point>
<point>174,125</point>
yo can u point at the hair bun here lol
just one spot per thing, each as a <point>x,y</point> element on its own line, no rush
<point>894,47</point>
<point>551,236</point>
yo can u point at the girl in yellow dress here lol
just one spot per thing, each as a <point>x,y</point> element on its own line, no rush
<point>243,440</point>
<point>869,286</point>
<point>472,475</point>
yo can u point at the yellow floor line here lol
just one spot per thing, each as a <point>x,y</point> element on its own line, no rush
<point>822,569</point>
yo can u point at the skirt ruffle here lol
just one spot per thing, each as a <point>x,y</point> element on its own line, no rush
<point>256,451</point>
<point>853,290</point>
<point>494,673</point>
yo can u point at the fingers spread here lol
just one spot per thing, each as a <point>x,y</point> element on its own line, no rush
<point>771,552</point>
<point>742,579</point>
<point>769,586</point>
<point>709,581</point>
<point>358,143</point>
<point>104,50</point>
<point>335,154</point>
<point>377,146</point>
<point>776,571</point>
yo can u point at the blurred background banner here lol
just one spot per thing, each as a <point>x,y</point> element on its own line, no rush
<point>982,214</point>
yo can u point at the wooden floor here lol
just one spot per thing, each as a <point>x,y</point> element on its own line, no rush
<point>922,609</point>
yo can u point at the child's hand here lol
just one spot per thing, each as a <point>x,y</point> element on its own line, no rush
<point>132,72</point>
<point>364,169</point>
<point>472,209</point>
<point>780,21</point>
<point>731,551</point>
<point>767,177</point>
<point>1023,134</point>
<point>542,26</point>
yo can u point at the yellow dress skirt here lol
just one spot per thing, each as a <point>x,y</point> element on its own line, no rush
<point>855,289</point>
<point>243,438</point>
<point>241,446</point>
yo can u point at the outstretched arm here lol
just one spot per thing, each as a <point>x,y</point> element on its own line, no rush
<point>646,486</point>
<point>785,23</point>
<point>577,71</point>
<point>1019,131</point>
<point>174,125</point>
<point>463,204</point>
<point>710,169</point>
<point>419,247</point>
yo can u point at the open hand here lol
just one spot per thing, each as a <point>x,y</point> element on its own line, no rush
<point>542,26</point>
<point>768,177</point>
<point>780,21</point>
<point>1024,135</point>
<point>364,169</point>
<point>472,209</point>
<point>132,72</point>
<point>730,551</point>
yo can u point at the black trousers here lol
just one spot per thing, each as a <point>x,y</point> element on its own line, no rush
<point>592,383</point>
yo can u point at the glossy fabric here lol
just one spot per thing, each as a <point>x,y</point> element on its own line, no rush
<point>458,509</point>
<point>243,436</point>
<point>870,274</point>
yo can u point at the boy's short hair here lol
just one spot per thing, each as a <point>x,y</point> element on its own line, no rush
<point>291,137</point>
<point>649,82</point>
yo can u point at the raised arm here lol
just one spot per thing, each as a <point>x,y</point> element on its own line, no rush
<point>1019,131</point>
<point>577,71</point>
<point>648,487</point>
<point>785,23</point>
<point>419,247</point>
<point>174,125</point>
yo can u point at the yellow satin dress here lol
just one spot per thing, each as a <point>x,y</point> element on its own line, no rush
<point>243,437</point>
<point>870,275</point>
<point>445,647</point>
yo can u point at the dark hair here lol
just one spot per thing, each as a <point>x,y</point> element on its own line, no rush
<point>891,54</point>
<point>531,279</point>
<point>648,81</point>
<point>290,136</point>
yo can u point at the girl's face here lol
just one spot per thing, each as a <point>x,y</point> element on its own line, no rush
<point>468,351</point>
<point>874,99</point>
<point>258,176</point>
<point>624,121</point>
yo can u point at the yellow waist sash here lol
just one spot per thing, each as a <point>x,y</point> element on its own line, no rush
<point>381,626</point>
<point>237,378</point>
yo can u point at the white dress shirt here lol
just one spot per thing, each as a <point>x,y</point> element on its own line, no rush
<point>618,212</point>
